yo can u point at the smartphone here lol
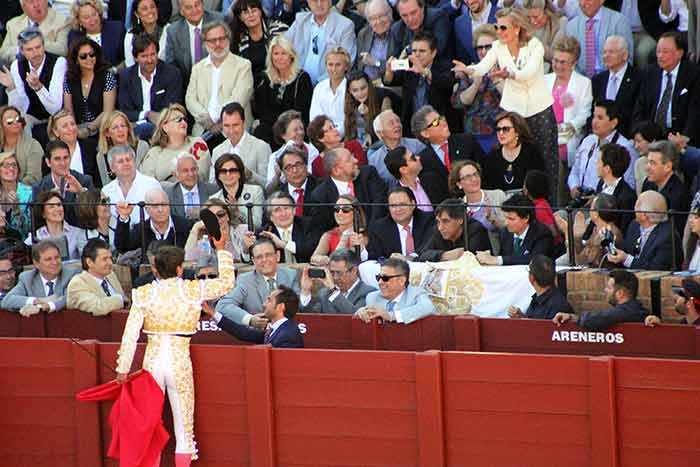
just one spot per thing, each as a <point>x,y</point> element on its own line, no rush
<point>409,50</point>
<point>399,65</point>
<point>317,273</point>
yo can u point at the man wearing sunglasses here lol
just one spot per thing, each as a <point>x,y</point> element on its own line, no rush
<point>396,301</point>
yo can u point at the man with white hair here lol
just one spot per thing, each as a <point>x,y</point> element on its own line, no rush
<point>37,14</point>
<point>161,225</point>
<point>130,185</point>
<point>648,243</point>
<point>619,82</point>
<point>189,192</point>
<point>373,40</point>
<point>387,125</point>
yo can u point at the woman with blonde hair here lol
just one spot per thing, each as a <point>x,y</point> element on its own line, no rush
<point>116,129</point>
<point>26,149</point>
<point>547,25</point>
<point>62,126</point>
<point>169,140</point>
<point>228,219</point>
<point>87,20</point>
<point>15,196</point>
<point>283,86</point>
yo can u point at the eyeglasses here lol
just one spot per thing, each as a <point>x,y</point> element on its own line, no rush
<point>295,166</point>
<point>214,40</point>
<point>483,47</point>
<point>178,119</point>
<point>211,275</point>
<point>85,56</point>
<point>473,176</point>
<point>314,45</point>
<point>503,129</point>
<point>221,214</point>
<point>12,121</point>
<point>435,122</point>
<point>9,165</point>
<point>345,209</point>
<point>386,277</point>
<point>501,27</point>
<point>10,271</point>
<point>228,171</point>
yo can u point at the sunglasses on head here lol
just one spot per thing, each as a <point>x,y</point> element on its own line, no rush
<point>345,209</point>
<point>386,277</point>
<point>435,122</point>
<point>211,275</point>
<point>85,56</point>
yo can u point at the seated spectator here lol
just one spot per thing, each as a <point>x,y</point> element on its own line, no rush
<point>416,18</point>
<point>692,245</point>
<point>403,231</point>
<point>62,126</point>
<point>328,97</point>
<point>441,151</point>
<point>295,237</point>
<point>396,300</point>
<point>230,176</point>
<point>662,160</point>
<point>687,304</point>
<point>373,40</point>
<point>536,188</point>
<point>237,242</point>
<point>325,136</point>
<point>480,96</point>
<point>388,128</point>
<point>170,139</point>
<point>279,309</point>
<point>50,223</point>
<point>247,299</point>
<point>363,102</point>
<point>341,291</point>
<point>188,193</point>
<point>220,78</point>
<point>648,240</point>
<point>282,86</point>
<point>148,86</point>
<point>145,19</point>
<point>611,166</point>
<point>474,16</point>
<point>288,132</point>
<point>299,183</point>
<point>515,154</point>
<point>42,288</point>
<point>15,196</point>
<point>548,299</point>
<point>96,289</point>
<point>547,25</point>
<point>8,275</point>
<point>62,178</point>
<point>349,233</point>
<point>584,174</point>
<point>87,20</point>
<point>428,81</point>
<point>572,105</point>
<point>129,184</point>
<point>523,236</point>
<point>161,224</point>
<point>254,152</point>
<point>150,276</point>
<point>26,149</point>
<point>252,33</point>
<point>621,292</point>
<point>94,216</point>
<point>447,240</point>
<point>48,23</point>
<point>644,133</point>
<point>406,168</point>
<point>38,95</point>
<point>316,34</point>
<point>116,130</point>
<point>346,177</point>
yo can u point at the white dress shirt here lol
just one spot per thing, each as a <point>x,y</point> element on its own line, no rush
<point>76,160</point>
<point>51,98</point>
<point>213,105</point>
<point>146,86</point>
<point>332,104</point>
<point>141,185</point>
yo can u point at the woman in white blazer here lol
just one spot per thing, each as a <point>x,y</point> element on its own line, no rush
<point>520,57</point>
<point>573,96</point>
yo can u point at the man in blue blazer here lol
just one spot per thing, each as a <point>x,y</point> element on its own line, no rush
<point>464,27</point>
<point>396,301</point>
<point>279,309</point>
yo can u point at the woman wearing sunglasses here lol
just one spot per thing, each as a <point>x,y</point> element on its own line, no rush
<point>229,173</point>
<point>94,214</point>
<point>344,235</point>
<point>169,140</point>
<point>26,149</point>
<point>90,88</point>
<point>237,233</point>
<point>520,57</point>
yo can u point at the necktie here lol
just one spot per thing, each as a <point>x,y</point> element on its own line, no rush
<point>49,284</point>
<point>300,201</point>
<point>611,92</point>
<point>410,247</point>
<point>197,45</point>
<point>268,333</point>
<point>390,306</point>
<point>590,48</point>
<point>351,188</point>
<point>105,287</point>
<point>271,285</point>
<point>517,246</point>
<point>662,110</point>
<point>443,146</point>
<point>190,199</point>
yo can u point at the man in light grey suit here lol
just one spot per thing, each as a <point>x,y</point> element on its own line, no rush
<point>252,288</point>
<point>42,288</point>
<point>343,291</point>
<point>189,192</point>
<point>396,300</point>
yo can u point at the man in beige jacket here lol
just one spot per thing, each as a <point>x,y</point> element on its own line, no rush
<point>52,25</point>
<point>96,290</point>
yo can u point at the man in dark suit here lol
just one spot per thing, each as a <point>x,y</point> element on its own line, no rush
<point>648,240</point>
<point>67,182</point>
<point>523,238</point>
<point>160,226</point>
<point>611,166</point>
<point>294,237</point>
<point>346,177</point>
<point>447,240</point>
<point>189,192</point>
<point>403,231</point>
<point>163,80</point>
<point>619,83</point>
<point>417,19</point>
<point>428,81</point>
<point>279,309</point>
<point>117,11</point>
<point>300,184</point>
<point>342,289</point>
<point>674,104</point>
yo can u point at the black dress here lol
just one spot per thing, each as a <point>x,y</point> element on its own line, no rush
<point>499,174</point>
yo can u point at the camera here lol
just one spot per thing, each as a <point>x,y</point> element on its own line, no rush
<point>317,273</point>
<point>582,199</point>
<point>608,242</point>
